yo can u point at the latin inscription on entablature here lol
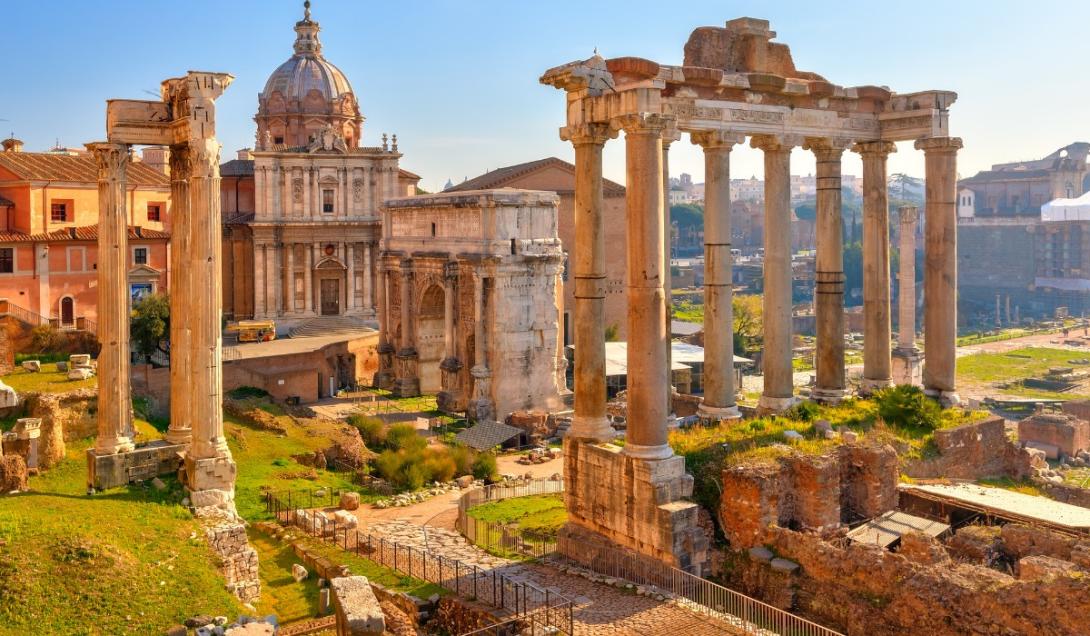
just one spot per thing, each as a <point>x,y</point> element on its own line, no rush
<point>772,119</point>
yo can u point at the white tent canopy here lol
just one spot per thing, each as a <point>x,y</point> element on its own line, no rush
<point>1067,209</point>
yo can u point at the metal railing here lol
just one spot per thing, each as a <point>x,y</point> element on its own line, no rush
<point>469,581</point>
<point>506,539</point>
<point>34,319</point>
<point>748,615</point>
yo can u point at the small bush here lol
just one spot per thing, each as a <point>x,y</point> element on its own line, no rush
<point>372,430</point>
<point>438,465</point>
<point>404,437</point>
<point>245,392</point>
<point>485,467</point>
<point>463,460</point>
<point>907,406</point>
<point>804,411</point>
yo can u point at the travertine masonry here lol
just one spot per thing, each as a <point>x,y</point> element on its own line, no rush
<point>238,559</point>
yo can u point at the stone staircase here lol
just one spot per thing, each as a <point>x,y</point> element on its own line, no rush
<point>330,325</point>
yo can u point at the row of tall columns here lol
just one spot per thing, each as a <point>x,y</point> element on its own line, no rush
<point>648,336</point>
<point>778,393</point>
<point>274,276</point>
<point>719,390</point>
<point>115,427</point>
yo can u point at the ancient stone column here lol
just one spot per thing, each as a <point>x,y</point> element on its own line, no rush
<point>308,278</point>
<point>778,393</point>
<point>720,401</point>
<point>481,408</point>
<point>877,360</point>
<point>648,339</point>
<point>210,471</point>
<point>115,431</point>
<point>940,266</point>
<point>368,272</point>
<point>829,283</point>
<point>906,357</point>
<point>669,136</point>
<point>450,276</point>
<point>276,300</point>
<point>181,419</point>
<point>384,377</point>
<point>289,278</point>
<point>350,287</point>
<point>588,261</point>
<point>408,382</point>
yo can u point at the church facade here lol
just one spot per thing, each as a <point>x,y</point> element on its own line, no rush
<point>302,212</point>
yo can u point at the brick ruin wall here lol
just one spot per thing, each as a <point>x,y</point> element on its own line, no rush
<point>1069,433</point>
<point>974,451</point>
<point>66,417</point>
<point>817,493</point>
<point>238,559</point>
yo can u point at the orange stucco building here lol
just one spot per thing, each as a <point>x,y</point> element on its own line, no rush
<point>49,232</point>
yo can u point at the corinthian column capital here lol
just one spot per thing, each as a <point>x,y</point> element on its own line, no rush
<point>179,162</point>
<point>716,139</point>
<point>110,158</point>
<point>881,148</point>
<point>643,123</point>
<point>204,158</point>
<point>581,134</point>
<point>775,143</point>
<point>827,148</point>
<point>939,144</point>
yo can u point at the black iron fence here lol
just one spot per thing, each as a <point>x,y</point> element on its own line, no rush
<point>489,586</point>
<point>506,539</point>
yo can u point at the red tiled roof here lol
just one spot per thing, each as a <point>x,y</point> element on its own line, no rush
<point>77,169</point>
<point>502,177</point>
<point>405,174</point>
<point>84,233</point>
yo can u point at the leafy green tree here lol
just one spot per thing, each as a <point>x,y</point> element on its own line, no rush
<point>687,215</point>
<point>150,324</point>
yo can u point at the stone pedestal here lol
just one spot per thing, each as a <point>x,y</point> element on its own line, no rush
<point>407,382</point>
<point>112,470</point>
<point>211,481</point>
<point>452,399</point>
<point>384,377</point>
<point>619,502</point>
<point>907,366</point>
<point>481,408</point>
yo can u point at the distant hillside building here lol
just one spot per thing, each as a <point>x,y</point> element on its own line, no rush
<point>1006,250</point>
<point>557,175</point>
<point>49,233</point>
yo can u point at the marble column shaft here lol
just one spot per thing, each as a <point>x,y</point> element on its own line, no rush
<point>449,291</point>
<point>940,265</point>
<point>289,278</point>
<point>906,278</point>
<point>115,430</point>
<point>829,284</point>
<point>778,393</point>
<point>877,330</point>
<point>350,291</point>
<point>408,341</point>
<point>719,390</point>
<point>368,272</point>
<point>648,374</point>
<point>589,276</point>
<point>181,418</point>
<point>308,276</point>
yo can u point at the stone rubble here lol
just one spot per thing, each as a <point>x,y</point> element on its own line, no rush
<point>239,559</point>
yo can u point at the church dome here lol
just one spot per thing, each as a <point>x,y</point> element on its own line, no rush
<point>307,93</point>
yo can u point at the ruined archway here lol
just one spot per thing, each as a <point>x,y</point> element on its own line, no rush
<point>429,337</point>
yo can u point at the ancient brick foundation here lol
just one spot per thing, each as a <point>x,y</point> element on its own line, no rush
<point>238,559</point>
<point>1055,433</point>
<point>614,500</point>
<point>863,590</point>
<point>974,451</point>
<point>816,493</point>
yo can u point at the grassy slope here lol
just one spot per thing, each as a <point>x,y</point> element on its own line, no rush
<point>129,561</point>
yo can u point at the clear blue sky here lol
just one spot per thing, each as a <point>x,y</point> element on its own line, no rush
<point>457,81</point>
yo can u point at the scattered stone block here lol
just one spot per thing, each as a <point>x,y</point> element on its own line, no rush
<point>792,436</point>
<point>8,397</point>
<point>783,565</point>
<point>80,373</point>
<point>465,481</point>
<point>33,366</point>
<point>823,426</point>
<point>62,366</point>
<point>78,360</point>
<point>345,519</point>
<point>176,630</point>
<point>299,573</point>
<point>350,500</point>
<point>761,553</point>
<point>200,620</point>
<point>831,434</point>
<point>849,437</point>
<point>1039,567</point>
<point>158,484</point>
<point>356,607</point>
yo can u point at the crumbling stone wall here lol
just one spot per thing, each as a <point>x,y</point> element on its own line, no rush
<point>974,451</point>
<point>453,616</point>
<point>65,417</point>
<point>863,591</point>
<point>13,474</point>
<point>816,493</point>
<point>238,559</point>
<point>1059,433</point>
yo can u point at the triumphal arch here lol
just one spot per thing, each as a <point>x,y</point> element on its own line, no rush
<point>734,84</point>
<point>184,120</point>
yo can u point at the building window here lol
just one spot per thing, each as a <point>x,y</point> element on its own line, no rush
<point>327,201</point>
<point>278,140</point>
<point>7,260</point>
<point>155,211</point>
<point>58,212</point>
<point>140,255</point>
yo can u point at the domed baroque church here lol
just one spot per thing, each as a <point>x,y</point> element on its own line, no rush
<point>302,212</point>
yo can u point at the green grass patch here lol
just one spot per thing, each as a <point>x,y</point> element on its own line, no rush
<point>1023,486</point>
<point>361,566</point>
<point>280,593</point>
<point>48,380</point>
<point>1012,365</point>
<point>118,562</point>
<point>540,515</point>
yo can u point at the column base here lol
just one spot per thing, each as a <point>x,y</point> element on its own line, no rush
<point>210,482</point>
<point>114,445</point>
<point>823,395</point>
<point>718,413</point>
<point>406,387</point>
<point>769,405</point>
<point>947,399</point>
<point>870,386</point>
<point>179,436</point>
<point>639,451</point>
<point>907,366</point>
<point>595,428</point>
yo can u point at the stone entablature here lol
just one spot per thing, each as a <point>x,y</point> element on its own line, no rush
<point>470,283</point>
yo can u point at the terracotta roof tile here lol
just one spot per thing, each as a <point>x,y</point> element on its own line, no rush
<point>503,177</point>
<point>78,169</point>
<point>83,233</point>
<point>237,168</point>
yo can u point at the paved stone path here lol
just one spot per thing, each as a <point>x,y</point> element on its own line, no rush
<point>599,609</point>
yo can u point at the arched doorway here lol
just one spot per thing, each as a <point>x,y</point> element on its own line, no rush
<point>68,312</point>
<point>329,287</point>
<point>429,338</point>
